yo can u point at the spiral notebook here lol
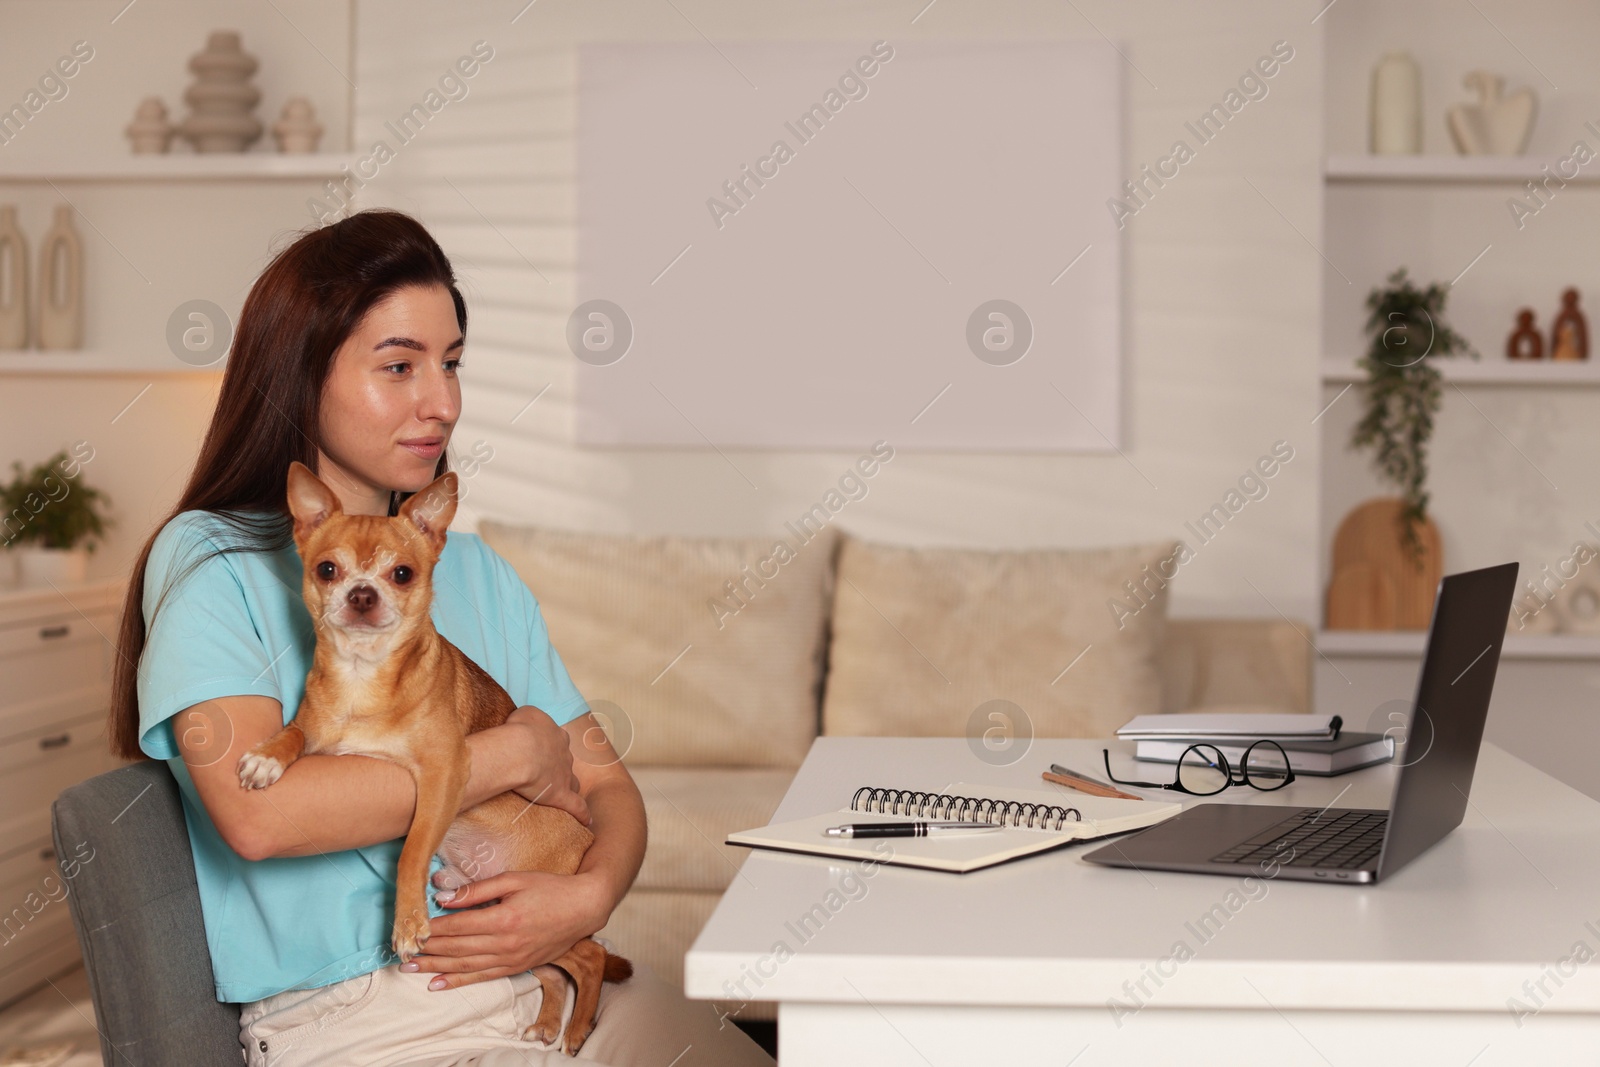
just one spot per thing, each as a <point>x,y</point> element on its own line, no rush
<point>1032,821</point>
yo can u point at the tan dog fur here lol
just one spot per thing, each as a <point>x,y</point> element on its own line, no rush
<point>384,683</point>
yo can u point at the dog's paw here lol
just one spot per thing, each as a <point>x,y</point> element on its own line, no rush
<point>546,1028</point>
<point>544,1033</point>
<point>410,933</point>
<point>257,771</point>
<point>577,1034</point>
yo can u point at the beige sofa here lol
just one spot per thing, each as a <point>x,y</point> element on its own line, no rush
<point>715,662</point>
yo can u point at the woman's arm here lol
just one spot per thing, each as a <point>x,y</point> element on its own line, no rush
<point>613,861</point>
<point>329,803</point>
<point>540,916</point>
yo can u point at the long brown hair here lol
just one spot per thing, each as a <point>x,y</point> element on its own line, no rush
<point>309,300</point>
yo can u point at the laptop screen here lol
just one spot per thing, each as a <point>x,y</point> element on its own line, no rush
<point>1447,718</point>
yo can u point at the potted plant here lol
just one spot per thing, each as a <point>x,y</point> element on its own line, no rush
<point>51,522</point>
<point>1407,333</point>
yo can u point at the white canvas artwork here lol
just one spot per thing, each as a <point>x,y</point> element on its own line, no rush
<point>821,245</point>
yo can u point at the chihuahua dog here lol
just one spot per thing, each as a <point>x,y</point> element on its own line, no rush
<point>384,683</point>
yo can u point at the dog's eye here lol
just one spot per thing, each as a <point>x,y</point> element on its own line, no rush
<point>326,570</point>
<point>402,575</point>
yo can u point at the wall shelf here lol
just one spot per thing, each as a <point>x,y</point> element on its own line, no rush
<point>220,166</point>
<point>1513,169</point>
<point>167,167</point>
<point>93,361</point>
<point>1410,644</point>
<point>1490,370</point>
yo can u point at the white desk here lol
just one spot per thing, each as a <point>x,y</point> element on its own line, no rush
<point>1041,961</point>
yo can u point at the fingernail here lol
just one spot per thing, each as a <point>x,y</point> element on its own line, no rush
<point>445,897</point>
<point>437,983</point>
<point>412,966</point>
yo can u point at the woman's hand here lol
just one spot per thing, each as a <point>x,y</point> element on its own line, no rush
<point>537,918</point>
<point>547,752</point>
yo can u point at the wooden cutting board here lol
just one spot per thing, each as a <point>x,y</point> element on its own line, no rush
<point>1370,535</point>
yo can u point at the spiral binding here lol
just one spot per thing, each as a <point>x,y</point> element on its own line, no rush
<point>961,809</point>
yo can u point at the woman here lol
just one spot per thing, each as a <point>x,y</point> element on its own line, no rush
<point>346,359</point>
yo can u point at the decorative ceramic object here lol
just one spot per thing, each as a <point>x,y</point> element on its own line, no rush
<point>222,97</point>
<point>1569,337</point>
<point>38,566</point>
<point>59,318</point>
<point>1376,583</point>
<point>1396,122</point>
<point>1525,342</point>
<point>14,303</point>
<point>1496,125</point>
<point>150,132</point>
<point>1531,615</point>
<point>1577,604</point>
<point>297,129</point>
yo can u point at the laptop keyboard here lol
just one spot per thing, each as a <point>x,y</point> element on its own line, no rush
<point>1345,841</point>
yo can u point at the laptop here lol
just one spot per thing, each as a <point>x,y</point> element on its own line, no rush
<point>1444,729</point>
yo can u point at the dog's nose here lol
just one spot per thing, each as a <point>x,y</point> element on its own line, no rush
<point>363,598</point>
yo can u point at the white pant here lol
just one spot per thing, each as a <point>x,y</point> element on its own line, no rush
<point>390,1018</point>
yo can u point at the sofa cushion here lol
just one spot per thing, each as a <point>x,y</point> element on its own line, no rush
<point>691,812</point>
<point>710,648</point>
<point>924,639</point>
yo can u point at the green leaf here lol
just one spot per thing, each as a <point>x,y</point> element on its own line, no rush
<point>46,507</point>
<point>1406,331</point>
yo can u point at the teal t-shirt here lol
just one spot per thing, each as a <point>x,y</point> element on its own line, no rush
<point>237,625</point>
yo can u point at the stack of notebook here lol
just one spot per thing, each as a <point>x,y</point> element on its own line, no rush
<point>1316,745</point>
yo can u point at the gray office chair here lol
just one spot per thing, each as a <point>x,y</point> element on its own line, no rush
<point>136,908</point>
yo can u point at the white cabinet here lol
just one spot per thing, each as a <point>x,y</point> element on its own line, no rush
<point>56,652</point>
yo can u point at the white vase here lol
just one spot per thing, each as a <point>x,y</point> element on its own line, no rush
<point>14,303</point>
<point>58,302</point>
<point>1497,125</point>
<point>150,132</point>
<point>38,566</point>
<point>1396,106</point>
<point>297,129</point>
<point>222,97</point>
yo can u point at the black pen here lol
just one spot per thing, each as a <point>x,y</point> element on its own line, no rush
<point>908,829</point>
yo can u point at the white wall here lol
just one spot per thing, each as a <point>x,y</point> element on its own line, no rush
<point>1221,291</point>
<point>150,246</point>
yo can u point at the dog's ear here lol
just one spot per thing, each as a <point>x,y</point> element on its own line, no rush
<point>431,508</point>
<point>310,500</point>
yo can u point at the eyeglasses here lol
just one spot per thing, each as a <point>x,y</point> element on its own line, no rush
<point>1204,770</point>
